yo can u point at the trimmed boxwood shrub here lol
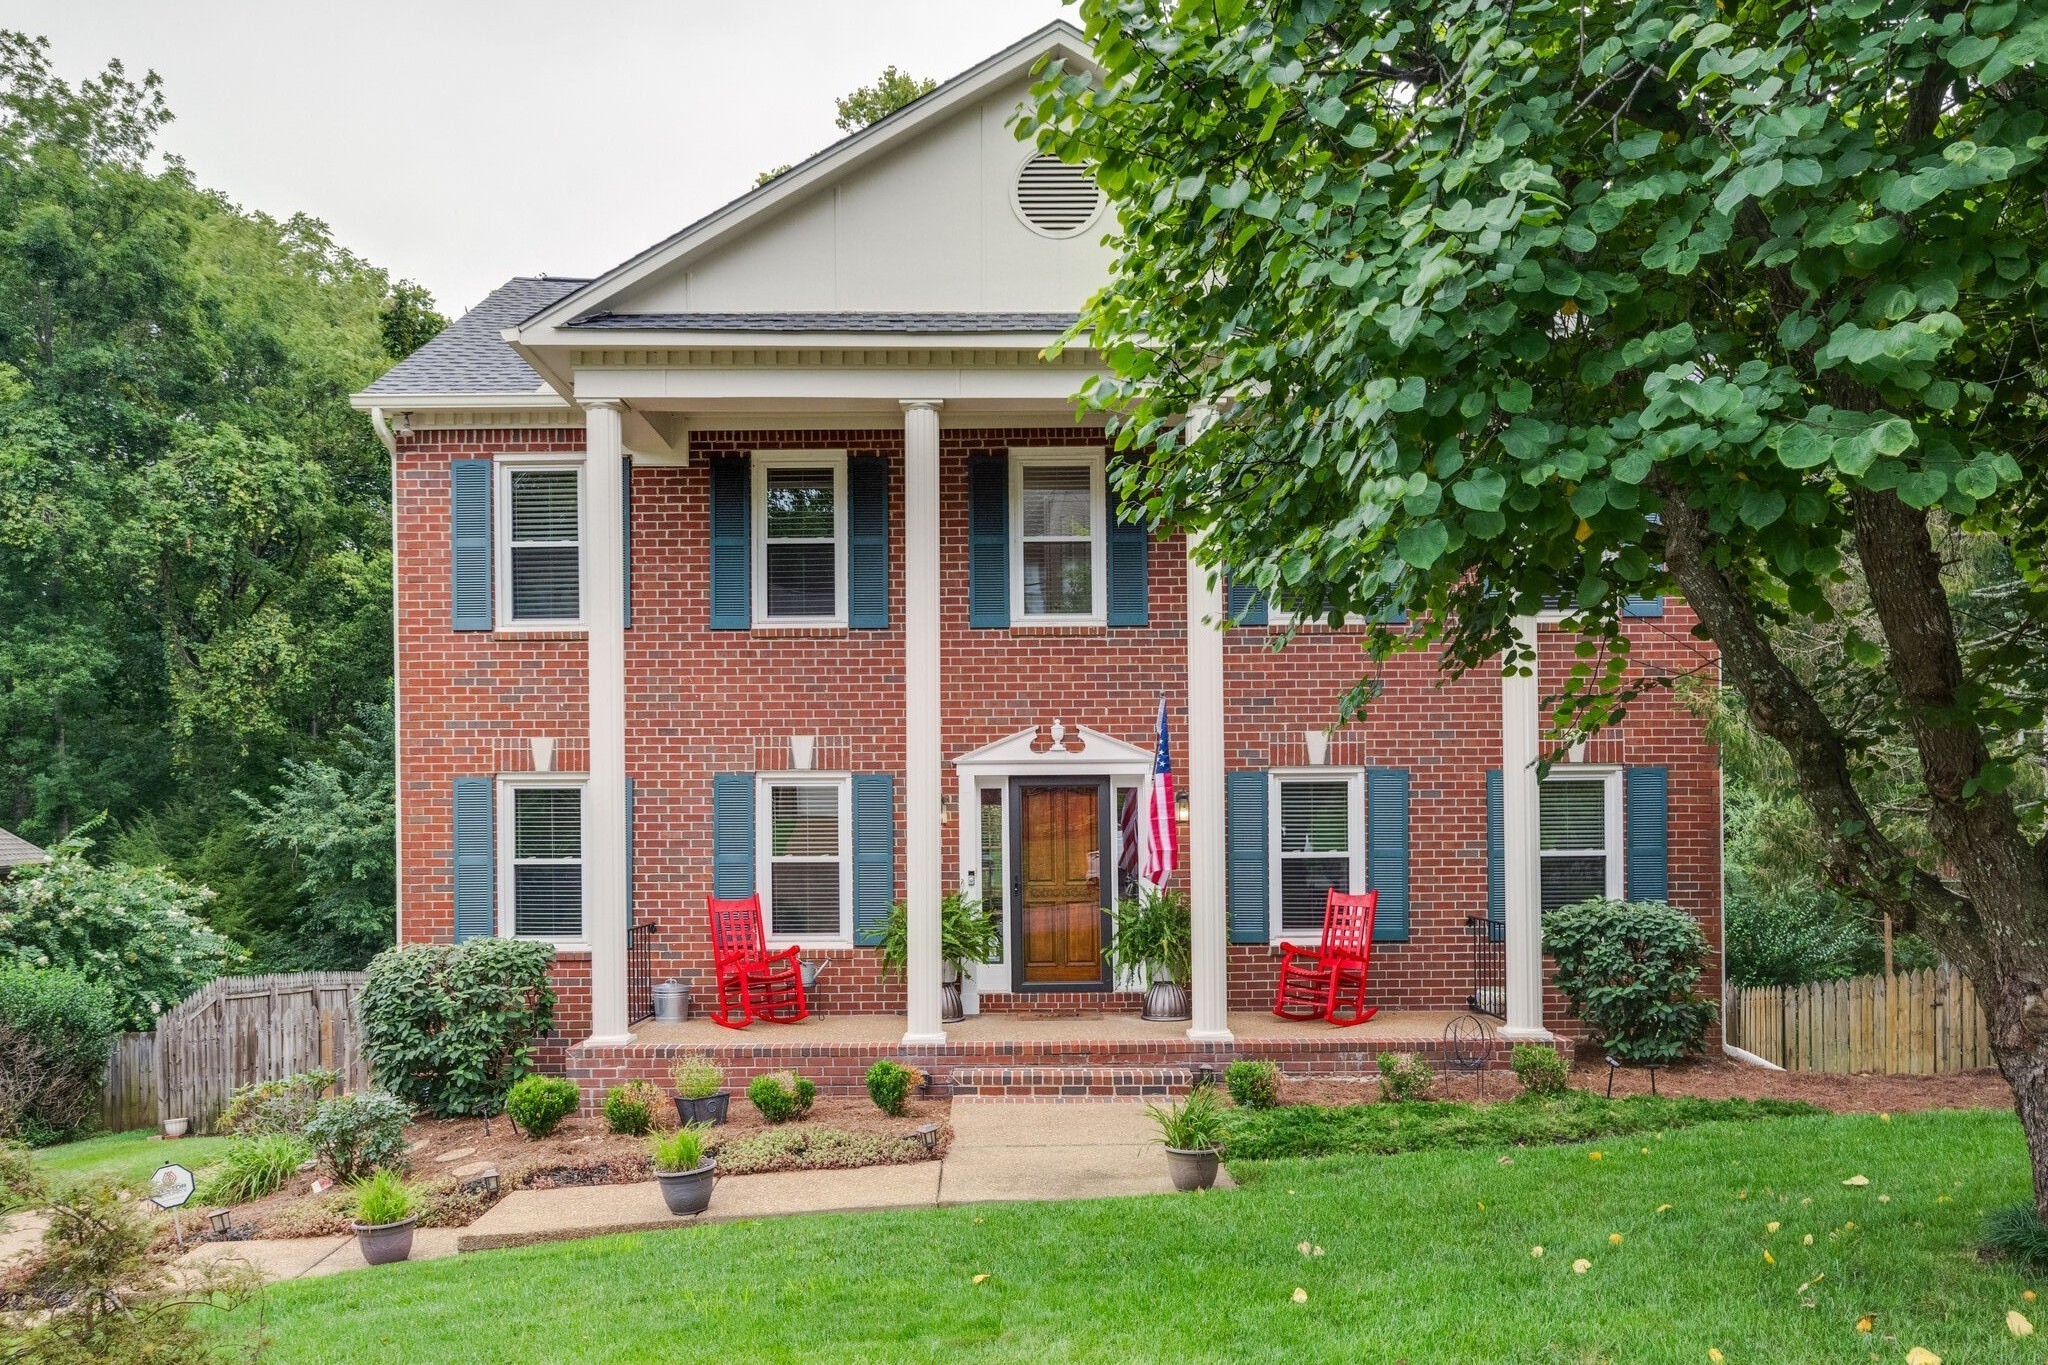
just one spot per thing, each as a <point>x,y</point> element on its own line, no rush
<point>1542,1070</point>
<point>538,1103</point>
<point>1629,969</point>
<point>449,1027</point>
<point>1404,1076</point>
<point>889,1086</point>
<point>781,1095</point>
<point>56,1028</point>
<point>631,1108</point>
<point>1253,1084</point>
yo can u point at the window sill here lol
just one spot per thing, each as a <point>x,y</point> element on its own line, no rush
<point>776,945</point>
<point>577,948</point>
<point>1059,628</point>
<point>811,630</point>
<point>540,633</point>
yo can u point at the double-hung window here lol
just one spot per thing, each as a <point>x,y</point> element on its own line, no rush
<point>800,538</point>
<point>541,860</point>
<point>1581,832</point>
<point>1056,552</point>
<point>540,532</point>
<point>804,838</point>
<point>1318,846</point>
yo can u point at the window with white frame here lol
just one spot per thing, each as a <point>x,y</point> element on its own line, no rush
<point>1318,846</point>
<point>540,534</point>
<point>805,872</point>
<point>1581,832</point>
<point>800,538</point>
<point>542,855</point>
<point>1056,549</point>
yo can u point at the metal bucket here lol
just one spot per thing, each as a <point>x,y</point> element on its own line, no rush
<point>671,1002</point>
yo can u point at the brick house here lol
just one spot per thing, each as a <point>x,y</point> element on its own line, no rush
<point>774,560</point>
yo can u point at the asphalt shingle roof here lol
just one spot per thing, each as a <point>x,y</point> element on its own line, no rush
<point>16,851</point>
<point>926,323</point>
<point>469,356</point>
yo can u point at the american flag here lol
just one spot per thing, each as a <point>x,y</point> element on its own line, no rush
<point>1161,837</point>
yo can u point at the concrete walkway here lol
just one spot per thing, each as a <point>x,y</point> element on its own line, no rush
<point>1001,1150</point>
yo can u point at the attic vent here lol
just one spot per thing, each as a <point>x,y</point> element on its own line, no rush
<point>1056,198</point>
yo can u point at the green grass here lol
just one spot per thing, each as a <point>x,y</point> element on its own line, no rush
<point>1426,1257</point>
<point>130,1158</point>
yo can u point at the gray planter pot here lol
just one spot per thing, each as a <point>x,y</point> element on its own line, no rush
<point>383,1243</point>
<point>1167,1001</point>
<point>1194,1170</point>
<point>710,1109</point>
<point>951,1010</point>
<point>688,1192</point>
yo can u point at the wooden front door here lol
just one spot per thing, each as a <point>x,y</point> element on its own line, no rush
<point>1058,885</point>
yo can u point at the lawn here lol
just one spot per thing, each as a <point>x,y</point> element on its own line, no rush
<point>130,1158</point>
<point>1426,1256</point>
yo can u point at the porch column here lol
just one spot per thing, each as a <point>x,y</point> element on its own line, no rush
<point>921,745</point>
<point>604,797</point>
<point>1209,990</point>
<point>1521,839</point>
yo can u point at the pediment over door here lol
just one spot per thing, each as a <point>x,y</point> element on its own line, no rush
<point>1057,747</point>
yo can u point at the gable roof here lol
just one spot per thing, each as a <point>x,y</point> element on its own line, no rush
<point>470,354</point>
<point>16,851</point>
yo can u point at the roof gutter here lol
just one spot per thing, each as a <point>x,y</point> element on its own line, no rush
<point>383,430</point>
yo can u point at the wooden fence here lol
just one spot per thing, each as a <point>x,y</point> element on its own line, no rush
<point>128,1092</point>
<point>1916,1023</point>
<point>241,1029</point>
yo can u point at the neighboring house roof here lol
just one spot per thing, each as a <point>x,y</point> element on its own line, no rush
<point>16,851</point>
<point>919,323</point>
<point>470,355</point>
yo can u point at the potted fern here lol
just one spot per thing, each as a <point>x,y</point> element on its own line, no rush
<point>1152,937</point>
<point>966,936</point>
<point>386,1212</point>
<point>685,1171</point>
<point>1193,1133</point>
<point>701,1096</point>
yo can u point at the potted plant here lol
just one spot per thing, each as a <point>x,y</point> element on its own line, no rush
<point>967,935</point>
<point>683,1169</point>
<point>1193,1133</point>
<point>386,1212</point>
<point>1152,937</point>
<point>701,1096</point>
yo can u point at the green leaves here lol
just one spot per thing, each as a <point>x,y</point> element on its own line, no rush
<point>1423,543</point>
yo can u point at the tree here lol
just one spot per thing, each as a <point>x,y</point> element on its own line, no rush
<point>408,320</point>
<point>869,104</point>
<point>1476,306</point>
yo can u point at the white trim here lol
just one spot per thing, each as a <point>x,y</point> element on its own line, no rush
<point>1090,457</point>
<point>508,909</point>
<point>764,854</point>
<point>502,466</point>
<point>1353,779</point>
<point>762,462</point>
<point>1613,812</point>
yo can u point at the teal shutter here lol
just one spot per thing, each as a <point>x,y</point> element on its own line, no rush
<point>1646,805</point>
<point>629,861</point>
<point>1244,837</point>
<point>1246,604</point>
<point>1390,616</point>
<point>732,836</point>
<point>874,855</point>
<point>626,535</point>
<point>1386,851</point>
<point>988,542</point>
<point>1642,606</point>
<point>731,570</point>
<point>867,542</point>
<point>469,515</point>
<point>476,863</point>
<point>1496,857</point>
<point>1129,592</point>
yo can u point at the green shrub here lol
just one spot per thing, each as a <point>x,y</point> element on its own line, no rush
<point>1542,1070</point>
<point>697,1077</point>
<point>631,1108</point>
<point>680,1151</point>
<point>255,1166</point>
<point>889,1086</point>
<point>1629,969</point>
<point>539,1103</point>
<point>1404,1077</point>
<point>1196,1124</point>
<point>353,1135</point>
<point>967,934</point>
<point>1253,1084</point>
<point>384,1199</point>
<point>781,1095</point>
<point>448,1027</point>
<point>56,1028</point>
<point>284,1106</point>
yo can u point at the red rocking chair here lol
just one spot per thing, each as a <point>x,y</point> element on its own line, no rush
<point>1323,981</point>
<point>753,983</point>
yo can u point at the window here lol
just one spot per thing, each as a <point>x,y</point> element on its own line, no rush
<point>1056,558</point>
<point>1581,819</point>
<point>800,538</point>
<point>1318,841</point>
<point>992,863</point>
<point>540,524</point>
<point>544,861</point>
<point>806,871</point>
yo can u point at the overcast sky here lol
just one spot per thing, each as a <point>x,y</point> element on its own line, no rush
<point>460,142</point>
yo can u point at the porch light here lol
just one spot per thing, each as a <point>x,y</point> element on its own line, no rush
<point>928,1134</point>
<point>1180,807</point>
<point>405,424</point>
<point>218,1220</point>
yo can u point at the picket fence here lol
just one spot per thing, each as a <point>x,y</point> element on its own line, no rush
<point>1909,1023</point>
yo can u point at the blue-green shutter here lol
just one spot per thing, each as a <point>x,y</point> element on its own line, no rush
<point>1642,606</point>
<point>626,536</point>
<point>1646,808</point>
<point>867,542</point>
<point>629,859</point>
<point>1246,604</point>
<point>1386,851</point>
<point>731,570</point>
<point>988,542</point>
<point>1129,592</point>
<point>469,515</point>
<point>874,855</point>
<point>1496,856</point>
<point>1244,837</point>
<point>476,862</point>
<point>1390,616</point>
<point>732,836</point>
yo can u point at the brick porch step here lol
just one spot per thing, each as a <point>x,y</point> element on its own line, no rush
<point>1068,1082</point>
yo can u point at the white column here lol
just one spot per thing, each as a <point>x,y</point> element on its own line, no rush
<point>604,798</point>
<point>921,744</point>
<point>1207,904</point>
<point>1521,724</point>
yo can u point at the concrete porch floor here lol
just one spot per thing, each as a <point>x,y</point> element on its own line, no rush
<point>887,1030</point>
